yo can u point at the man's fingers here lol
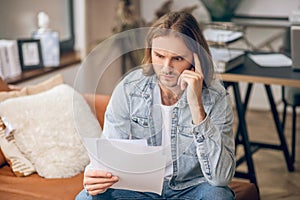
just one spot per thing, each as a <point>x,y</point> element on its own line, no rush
<point>183,85</point>
<point>95,192</point>
<point>98,173</point>
<point>197,63</point>
<point>90,181</point>
<point>102,187</point>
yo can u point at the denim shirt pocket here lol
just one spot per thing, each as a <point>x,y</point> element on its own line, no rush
<point>140,127</point>
<point>140,121</point>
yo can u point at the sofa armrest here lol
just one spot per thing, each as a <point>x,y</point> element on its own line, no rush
<point>244,190</point>
<point>98,104</point>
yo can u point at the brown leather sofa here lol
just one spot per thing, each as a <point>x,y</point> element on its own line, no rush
<point>35,187</point>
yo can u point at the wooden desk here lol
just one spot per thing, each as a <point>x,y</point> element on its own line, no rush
<point>251,73</point>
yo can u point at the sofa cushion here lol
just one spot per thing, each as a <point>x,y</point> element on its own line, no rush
<point>12,94</point>
<point>45,85</point>
<point>20,165</point>
<point>32,89</point>
<point>47,127</point>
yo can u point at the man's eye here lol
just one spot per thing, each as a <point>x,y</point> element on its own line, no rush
<point>178,58</point>
<point>159,56</point>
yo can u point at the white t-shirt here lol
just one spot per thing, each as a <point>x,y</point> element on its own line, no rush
<point>166,117</point>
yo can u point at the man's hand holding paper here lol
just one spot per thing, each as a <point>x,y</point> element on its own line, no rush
<point>135,165</point>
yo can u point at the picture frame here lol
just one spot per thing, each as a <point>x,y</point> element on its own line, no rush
<point>30,53</point>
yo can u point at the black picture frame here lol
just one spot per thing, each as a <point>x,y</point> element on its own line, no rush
<point>30,53</point>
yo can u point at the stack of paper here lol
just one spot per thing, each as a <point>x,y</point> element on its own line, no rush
<point>271,60</point>
<point>226,59</point>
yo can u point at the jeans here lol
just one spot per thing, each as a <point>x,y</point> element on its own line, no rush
<point>203,191</point>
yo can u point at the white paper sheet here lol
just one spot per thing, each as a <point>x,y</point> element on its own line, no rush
<point>138,166</point>
<point>225,55</point>
<point>271,60</point>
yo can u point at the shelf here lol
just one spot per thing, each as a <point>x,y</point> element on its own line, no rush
<point>66,60</point>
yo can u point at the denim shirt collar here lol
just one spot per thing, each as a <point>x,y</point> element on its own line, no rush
<point>145,88</point>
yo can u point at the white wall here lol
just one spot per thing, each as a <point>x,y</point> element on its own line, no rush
<point>80,26</point>
<point>99,20</point>
<point>94,21</point>
<point>19,18</point>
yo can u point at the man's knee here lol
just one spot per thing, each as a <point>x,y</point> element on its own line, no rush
<point>83,195</point>
<point>218,193</point>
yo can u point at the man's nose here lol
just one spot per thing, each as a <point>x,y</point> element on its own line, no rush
<point>167,62</point>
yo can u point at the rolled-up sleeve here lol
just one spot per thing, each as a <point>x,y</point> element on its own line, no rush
<point>215,143</point>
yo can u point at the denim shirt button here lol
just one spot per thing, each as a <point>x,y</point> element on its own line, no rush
<point>145,123</point>
<point>135,119</point>
<point>146,96</point>
<point>200,138</point>
<point>179,128</point>
<point>196,129</point>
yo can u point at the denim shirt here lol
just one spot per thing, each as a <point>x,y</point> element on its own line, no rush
<point>202,152</point>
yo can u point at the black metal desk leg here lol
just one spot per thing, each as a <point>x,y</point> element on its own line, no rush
<point>244,134</point>
<point>246,100</point>
<point>283,144</point>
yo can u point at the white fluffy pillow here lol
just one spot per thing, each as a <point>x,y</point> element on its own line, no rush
<point>46,129</point>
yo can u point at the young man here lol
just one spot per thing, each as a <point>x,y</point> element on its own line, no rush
<point>193,120</point>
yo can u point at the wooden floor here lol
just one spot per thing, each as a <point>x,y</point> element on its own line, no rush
<point>274,180</point>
